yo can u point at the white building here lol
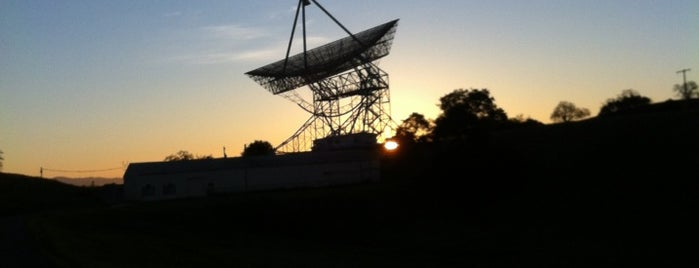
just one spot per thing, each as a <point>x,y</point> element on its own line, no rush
<point>194,178</point>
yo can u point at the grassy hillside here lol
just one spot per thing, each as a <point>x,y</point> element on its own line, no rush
<point>604,192</point>
<point>20,194</point>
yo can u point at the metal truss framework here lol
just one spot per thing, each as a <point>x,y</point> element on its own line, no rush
<point>350,93</point>
<point>327,60</point>
<point>353,102</point>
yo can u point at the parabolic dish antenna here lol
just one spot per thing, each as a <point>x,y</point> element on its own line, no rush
<point>350,93</point>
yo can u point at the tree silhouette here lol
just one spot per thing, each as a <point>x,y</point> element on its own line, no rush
<point>183,155</point>
<point>566,111</point>
<point>520,120</point>
<point>687,91</point>
<point>258,147</point>
<point>467,113</point>
<point>1,159</point>
<point>628,99</point>
<point>415,128</point>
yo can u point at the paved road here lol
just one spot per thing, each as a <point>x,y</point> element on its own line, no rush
<point>17,247</point>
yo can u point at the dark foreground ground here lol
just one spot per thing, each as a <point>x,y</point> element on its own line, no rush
<point>618,192</point>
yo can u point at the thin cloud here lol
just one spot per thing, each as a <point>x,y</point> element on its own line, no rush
<point>288,13</point>
<point>235,32</point>
<point>264,54</point>
<point>240,55</point>
<point>207,58</point>
<point>220,44</point>
<point>312,41</point>
<point>259,55</point>
<point>276,52</point>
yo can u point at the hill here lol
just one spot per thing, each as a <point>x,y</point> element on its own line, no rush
<point>656,140</point>
<point>20,194</point>
<point>603,192</point>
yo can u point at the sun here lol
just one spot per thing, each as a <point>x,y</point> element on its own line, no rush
<point>390,145</point>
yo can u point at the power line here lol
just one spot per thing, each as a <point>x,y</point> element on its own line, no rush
<point>42,169</point>
<point>81,171</point>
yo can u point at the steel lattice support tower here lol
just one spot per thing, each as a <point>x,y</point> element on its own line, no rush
<point>353,102</point>
<point>350,93</point>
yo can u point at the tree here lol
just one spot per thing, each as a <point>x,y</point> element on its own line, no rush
<point>628,99</point>
<point>183,155</point>
<point>566,111</point>
<point>1,159</point>
<point>467,113</point>
<point>258,147</point>
<point>415,128</point>
<point>687,91</point>
<point>520,120</point>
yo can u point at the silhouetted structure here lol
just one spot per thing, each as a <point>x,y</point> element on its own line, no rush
<point>350,92</point>
<point>350,108</point>
<point>684,78</point>
<point>201,177</point>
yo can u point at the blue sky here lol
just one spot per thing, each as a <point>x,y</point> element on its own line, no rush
<point>93,84</point>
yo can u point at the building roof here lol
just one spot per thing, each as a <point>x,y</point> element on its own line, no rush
<point>208,165</point>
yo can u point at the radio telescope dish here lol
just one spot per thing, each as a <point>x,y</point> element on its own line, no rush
<point>327,60</point>
<point>350,96</point>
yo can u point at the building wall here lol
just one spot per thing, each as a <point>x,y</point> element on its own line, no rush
<point>195,178</point>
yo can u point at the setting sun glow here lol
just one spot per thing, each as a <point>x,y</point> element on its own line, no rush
<point>145,80</point>
<point>390,145</point>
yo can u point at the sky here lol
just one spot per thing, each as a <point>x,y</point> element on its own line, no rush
<point>92,85</point>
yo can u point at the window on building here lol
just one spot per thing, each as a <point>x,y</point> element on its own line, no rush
<point>169,189</point>
<point>148,190</point>
<point>210,188</point>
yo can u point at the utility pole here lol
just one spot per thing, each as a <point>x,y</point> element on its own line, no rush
<point>684,78</point>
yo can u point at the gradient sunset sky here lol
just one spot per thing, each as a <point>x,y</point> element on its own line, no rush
<point>93,84</point>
